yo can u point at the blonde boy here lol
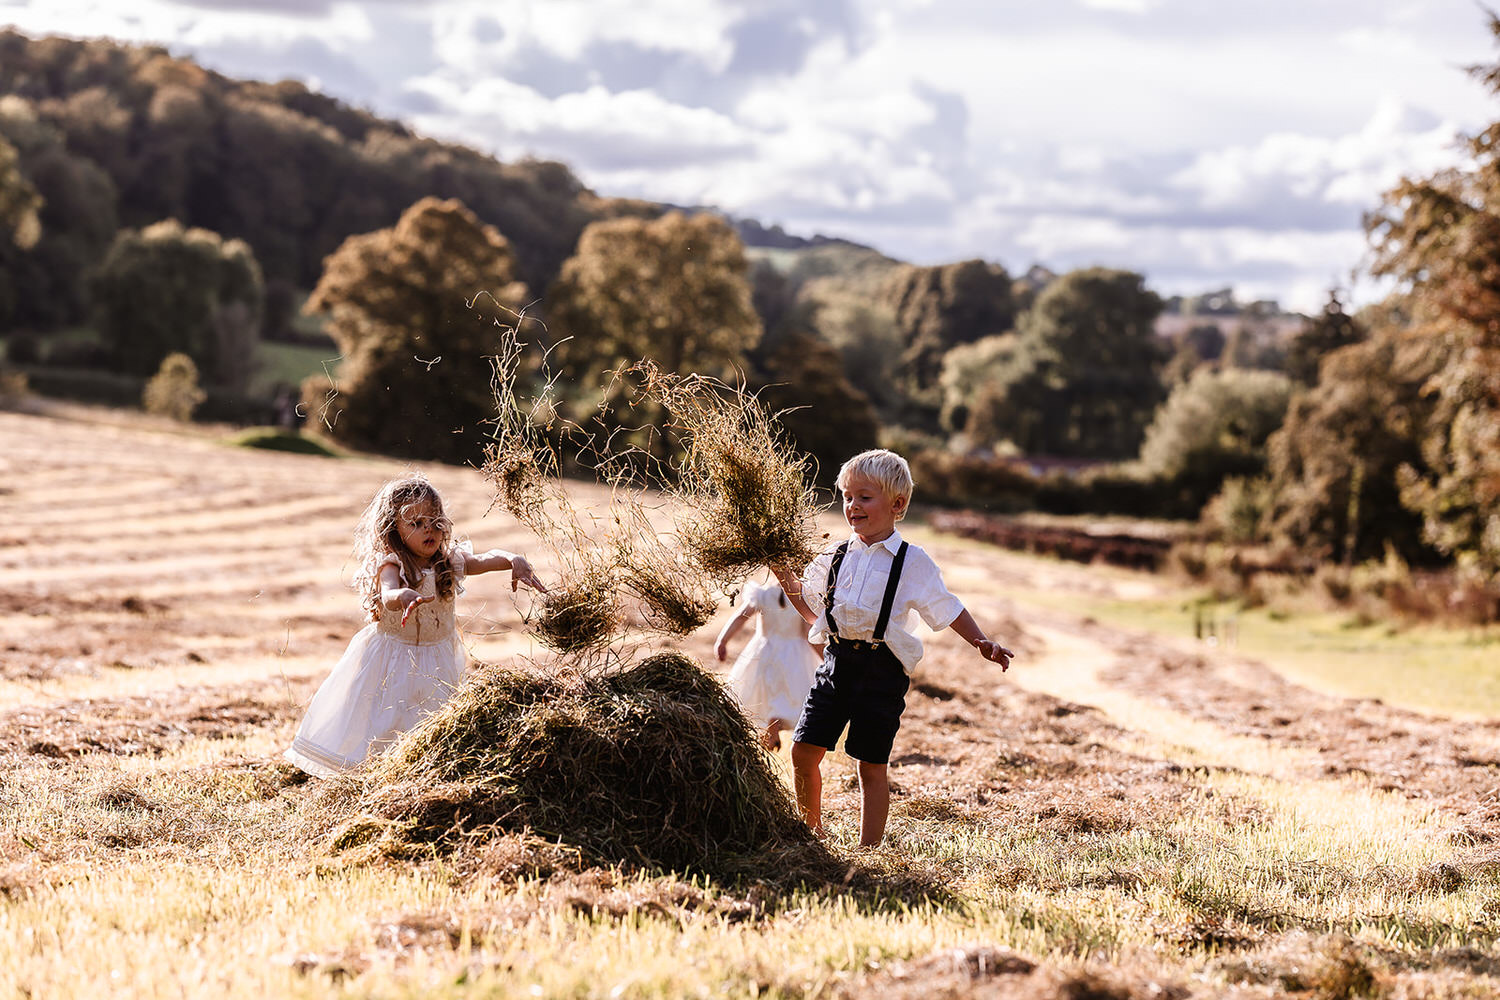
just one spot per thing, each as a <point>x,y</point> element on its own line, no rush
<point>858,597</point>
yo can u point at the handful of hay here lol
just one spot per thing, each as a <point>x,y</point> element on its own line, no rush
<point>674,597</point>
<point>582,612</point>
<point>746,493</point>
<point>652,765</point>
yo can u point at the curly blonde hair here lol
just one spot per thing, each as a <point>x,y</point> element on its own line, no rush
<point>378,535</point>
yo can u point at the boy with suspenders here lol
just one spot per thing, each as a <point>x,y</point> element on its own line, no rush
<point>858,598</point>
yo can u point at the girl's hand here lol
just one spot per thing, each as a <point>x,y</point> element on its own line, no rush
<point>721,650</point>
<point>410,606</point>
<point>994,652</point>
<point>521,572</point>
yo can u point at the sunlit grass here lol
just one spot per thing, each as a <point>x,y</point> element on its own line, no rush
<point>278,363</point>
<point>1450,671</point>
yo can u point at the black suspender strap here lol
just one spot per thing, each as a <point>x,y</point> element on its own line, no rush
<point>833,579</point>
<point>889,600</point>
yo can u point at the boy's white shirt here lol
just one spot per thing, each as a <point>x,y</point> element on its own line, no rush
<point>861,588</point>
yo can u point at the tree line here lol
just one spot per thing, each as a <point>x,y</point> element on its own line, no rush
<point>173,209</point>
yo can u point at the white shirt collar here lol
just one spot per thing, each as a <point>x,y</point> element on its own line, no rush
<point>891,542</point>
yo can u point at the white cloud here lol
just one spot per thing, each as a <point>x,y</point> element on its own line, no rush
<point>1348,170</point>
<point>1122,6</point>
<point>1190,141</point>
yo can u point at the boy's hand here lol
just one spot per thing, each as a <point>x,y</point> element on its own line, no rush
<point>994,652</point>
<point>521,572</point>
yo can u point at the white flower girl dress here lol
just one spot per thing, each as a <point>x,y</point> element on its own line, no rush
<point>388,679</point>
<point>776,668</point>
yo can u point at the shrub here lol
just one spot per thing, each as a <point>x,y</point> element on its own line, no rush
<point>1236,512</point>
<point>23,348</point>
<point>276,439</point>
<point>173,391</point>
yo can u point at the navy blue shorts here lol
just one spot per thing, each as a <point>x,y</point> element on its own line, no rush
<point>864,689</point>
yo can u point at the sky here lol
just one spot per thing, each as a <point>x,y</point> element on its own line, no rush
<point>1202,143</point>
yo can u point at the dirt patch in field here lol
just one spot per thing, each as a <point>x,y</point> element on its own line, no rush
<point>151,724</point>
<point>1448,760</point>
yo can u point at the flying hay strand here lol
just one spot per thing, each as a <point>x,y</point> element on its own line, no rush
<point>745,491</point>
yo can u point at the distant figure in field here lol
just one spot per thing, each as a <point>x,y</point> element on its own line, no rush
<point>772,675</point>
<point>408,660</point>
<point>859,596</point>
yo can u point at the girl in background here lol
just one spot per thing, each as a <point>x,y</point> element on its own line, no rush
<point>776,668</point>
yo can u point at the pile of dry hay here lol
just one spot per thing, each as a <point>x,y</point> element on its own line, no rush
<point>649,765</point>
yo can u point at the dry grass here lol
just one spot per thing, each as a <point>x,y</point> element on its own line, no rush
<point>674,596</point>
<point>1084,852</point>
<point>746,495</point>
<point>582,612</point>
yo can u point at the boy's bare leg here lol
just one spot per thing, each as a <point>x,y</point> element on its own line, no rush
<point>875,802</point>
<point>807,780</point>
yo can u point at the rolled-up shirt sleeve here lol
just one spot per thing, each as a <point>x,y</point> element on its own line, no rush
<point>933,601</point>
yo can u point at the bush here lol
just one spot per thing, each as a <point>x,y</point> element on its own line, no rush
<point>104,388</point>
<point>1237,511</point>
<point>23,348</point>
<point>276,439</point>
<point>971,481</point>
<point>173,391</point>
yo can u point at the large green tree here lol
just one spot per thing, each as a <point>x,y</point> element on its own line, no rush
<point>167,288</point>
<point>672,290</point>
<point>1083,375</point>
<point>1439,237</point>
<point>939,308</point>
<point>18,200</point>
<point>1334,462</point>
<point>42,286</point>
<point>1320,336</point>
<point>415,311</point>
<point>1214,426</point>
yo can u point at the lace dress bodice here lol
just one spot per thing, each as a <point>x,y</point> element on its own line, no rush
<point>429,623</point>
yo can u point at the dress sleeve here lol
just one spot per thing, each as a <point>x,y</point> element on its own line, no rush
<point>461,553</point>
<point>391,559</point>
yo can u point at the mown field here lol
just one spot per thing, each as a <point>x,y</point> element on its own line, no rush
<point>1127,813</point>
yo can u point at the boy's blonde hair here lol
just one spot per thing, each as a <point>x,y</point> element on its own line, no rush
<point>886,468</point>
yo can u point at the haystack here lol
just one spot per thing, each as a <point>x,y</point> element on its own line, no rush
<point>649,765</point>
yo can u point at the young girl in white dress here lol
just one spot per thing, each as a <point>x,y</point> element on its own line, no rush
<point>408,660</point>
<point>772,676</point>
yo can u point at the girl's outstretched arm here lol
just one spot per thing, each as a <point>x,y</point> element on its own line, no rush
<point>721,646</point>
<point>395,595</point>
<point>498,559</point>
